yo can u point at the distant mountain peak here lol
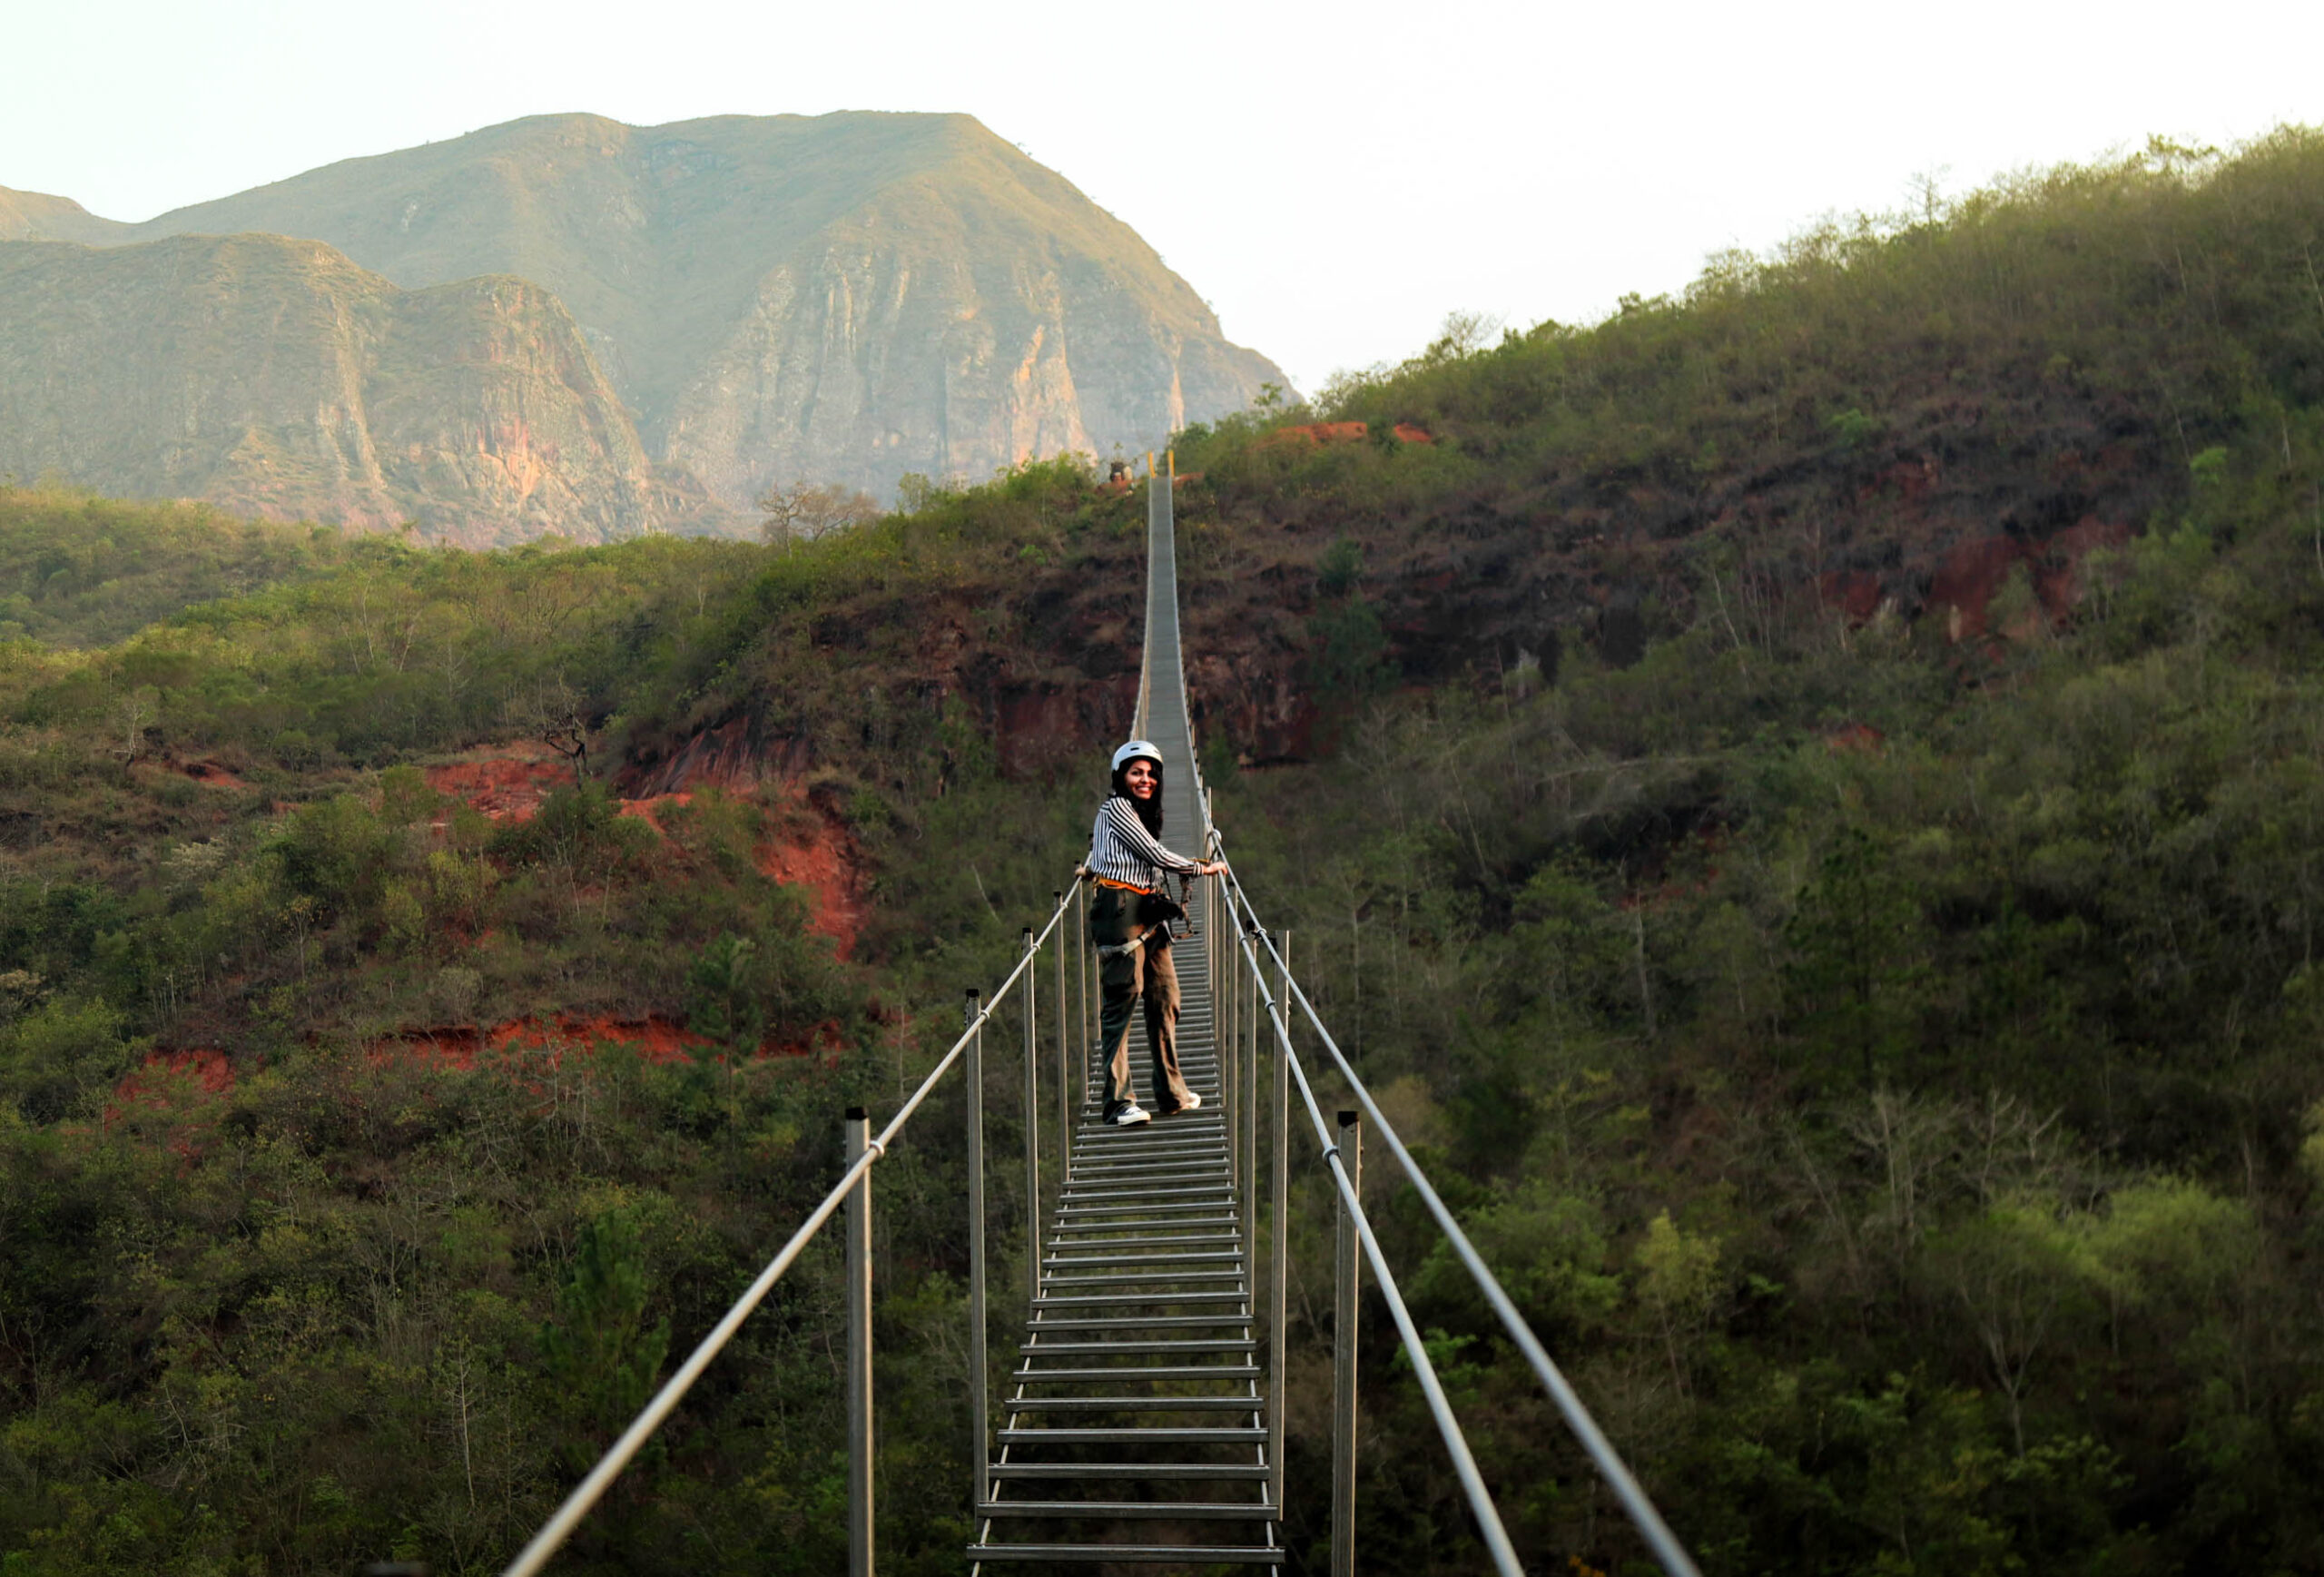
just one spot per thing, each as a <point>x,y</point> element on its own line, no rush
<point>843,298</point>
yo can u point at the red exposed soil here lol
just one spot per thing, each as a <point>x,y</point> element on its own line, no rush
<point>1040,730</point>
<point>507,785</point>
<point>732,756</point>
<point>205,773</point>
<point>167,1078</point>
<point>811,853</point>
<point>1970,573</point>
<point>1861,738</point>
<point>1854,591</point>
<point>822,862</point>
<point>208,774</point>
<point>1966,581</point>
<point>814,853</point>
<point>657,1039</point>
<point>649,811</point>
<point>2059,577</point>
<point>1318,433</point>
<point>172,1097</point>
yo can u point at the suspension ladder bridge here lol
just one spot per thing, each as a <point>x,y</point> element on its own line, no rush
<point>1141,1422</point>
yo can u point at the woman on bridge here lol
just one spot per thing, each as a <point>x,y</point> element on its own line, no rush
<point>1127,923</point>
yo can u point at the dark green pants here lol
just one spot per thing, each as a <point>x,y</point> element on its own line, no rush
<point>1143,975</point>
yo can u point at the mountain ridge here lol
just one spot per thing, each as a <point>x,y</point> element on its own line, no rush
<point>849,297</point>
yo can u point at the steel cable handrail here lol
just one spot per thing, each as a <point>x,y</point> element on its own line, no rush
<point>1636,1505</point>
<point>1440,1407</point>
<point>591,1489</point>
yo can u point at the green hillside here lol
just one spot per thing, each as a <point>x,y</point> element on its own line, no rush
<point>77,570</point>
<point>1803,797</point>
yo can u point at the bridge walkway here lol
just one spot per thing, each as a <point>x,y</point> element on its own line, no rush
<point>1135,1429</point>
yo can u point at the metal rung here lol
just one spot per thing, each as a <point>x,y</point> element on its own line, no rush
<point>1135,1554</point>
<point>1096,1132</point>
<point>1134,1322</point>
<point>1163,1279</point>
<point>1202,1119</point>
<point>1127,1372</point>
<point>1213,1175</point>
<point>1184,1193</point>
<point>1192,1511</point>
<point>1151,1169</point>
<point>1099,1261</point>
<point>1195,1169</point>
<point>1195,1144</point>
<point>1199,1144</point>
<point>1186,1344</point>
<point>1136,1405</point>
<point>1159,1221</point>
<point>1084,1228</point>
<point>1138,1470</point>
<point>1091,1123</point>
<point>1180,1208</point>
<point>1141,1240</point>
<point>1202,1146</point>
<point>1075,1237</point>
<point>1102,1298</point>
<point>1197,1121</point>
<point>1219,1435</point>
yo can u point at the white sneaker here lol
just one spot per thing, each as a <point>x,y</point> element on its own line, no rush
<point>1192,1103</point>
<point>1129,1116</point>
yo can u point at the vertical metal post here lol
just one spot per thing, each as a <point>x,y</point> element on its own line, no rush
<point>1343,1312</point>
<point>1064,1064</point>
<point>1249,1116</point>
<point>1032,1126</point>
<point>859,1349</point>
<point>1230,1088</point>
<point>1214,953</point>
<point>1230,1073</point>
<point>1279,1230</point>
<point>979,1448</point>
<point>1081,942</point>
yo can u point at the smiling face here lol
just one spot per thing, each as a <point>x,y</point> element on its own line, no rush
<point>1141,778</point>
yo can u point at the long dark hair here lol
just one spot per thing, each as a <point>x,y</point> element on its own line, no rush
<point>1149,810</point>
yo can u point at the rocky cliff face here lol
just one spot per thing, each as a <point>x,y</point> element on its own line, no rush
<point>276,379</point>
<point>846,298</point>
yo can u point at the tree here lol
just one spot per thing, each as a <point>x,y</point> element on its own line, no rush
<point>802,511</point>
<point>598,1354</point>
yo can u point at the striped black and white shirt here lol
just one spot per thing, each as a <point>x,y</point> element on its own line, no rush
<point>1122,850</point>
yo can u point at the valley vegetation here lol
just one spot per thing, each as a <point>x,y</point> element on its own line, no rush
<point>1866,1009</point>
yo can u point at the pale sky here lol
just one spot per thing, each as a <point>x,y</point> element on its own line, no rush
<point>1334,178</point>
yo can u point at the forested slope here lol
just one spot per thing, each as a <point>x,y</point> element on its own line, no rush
<point>1805,798</point>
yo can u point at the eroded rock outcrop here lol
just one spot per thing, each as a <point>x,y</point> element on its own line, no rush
<point>276,379</point>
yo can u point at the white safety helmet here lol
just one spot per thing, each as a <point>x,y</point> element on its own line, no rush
<point>1133,749</point>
